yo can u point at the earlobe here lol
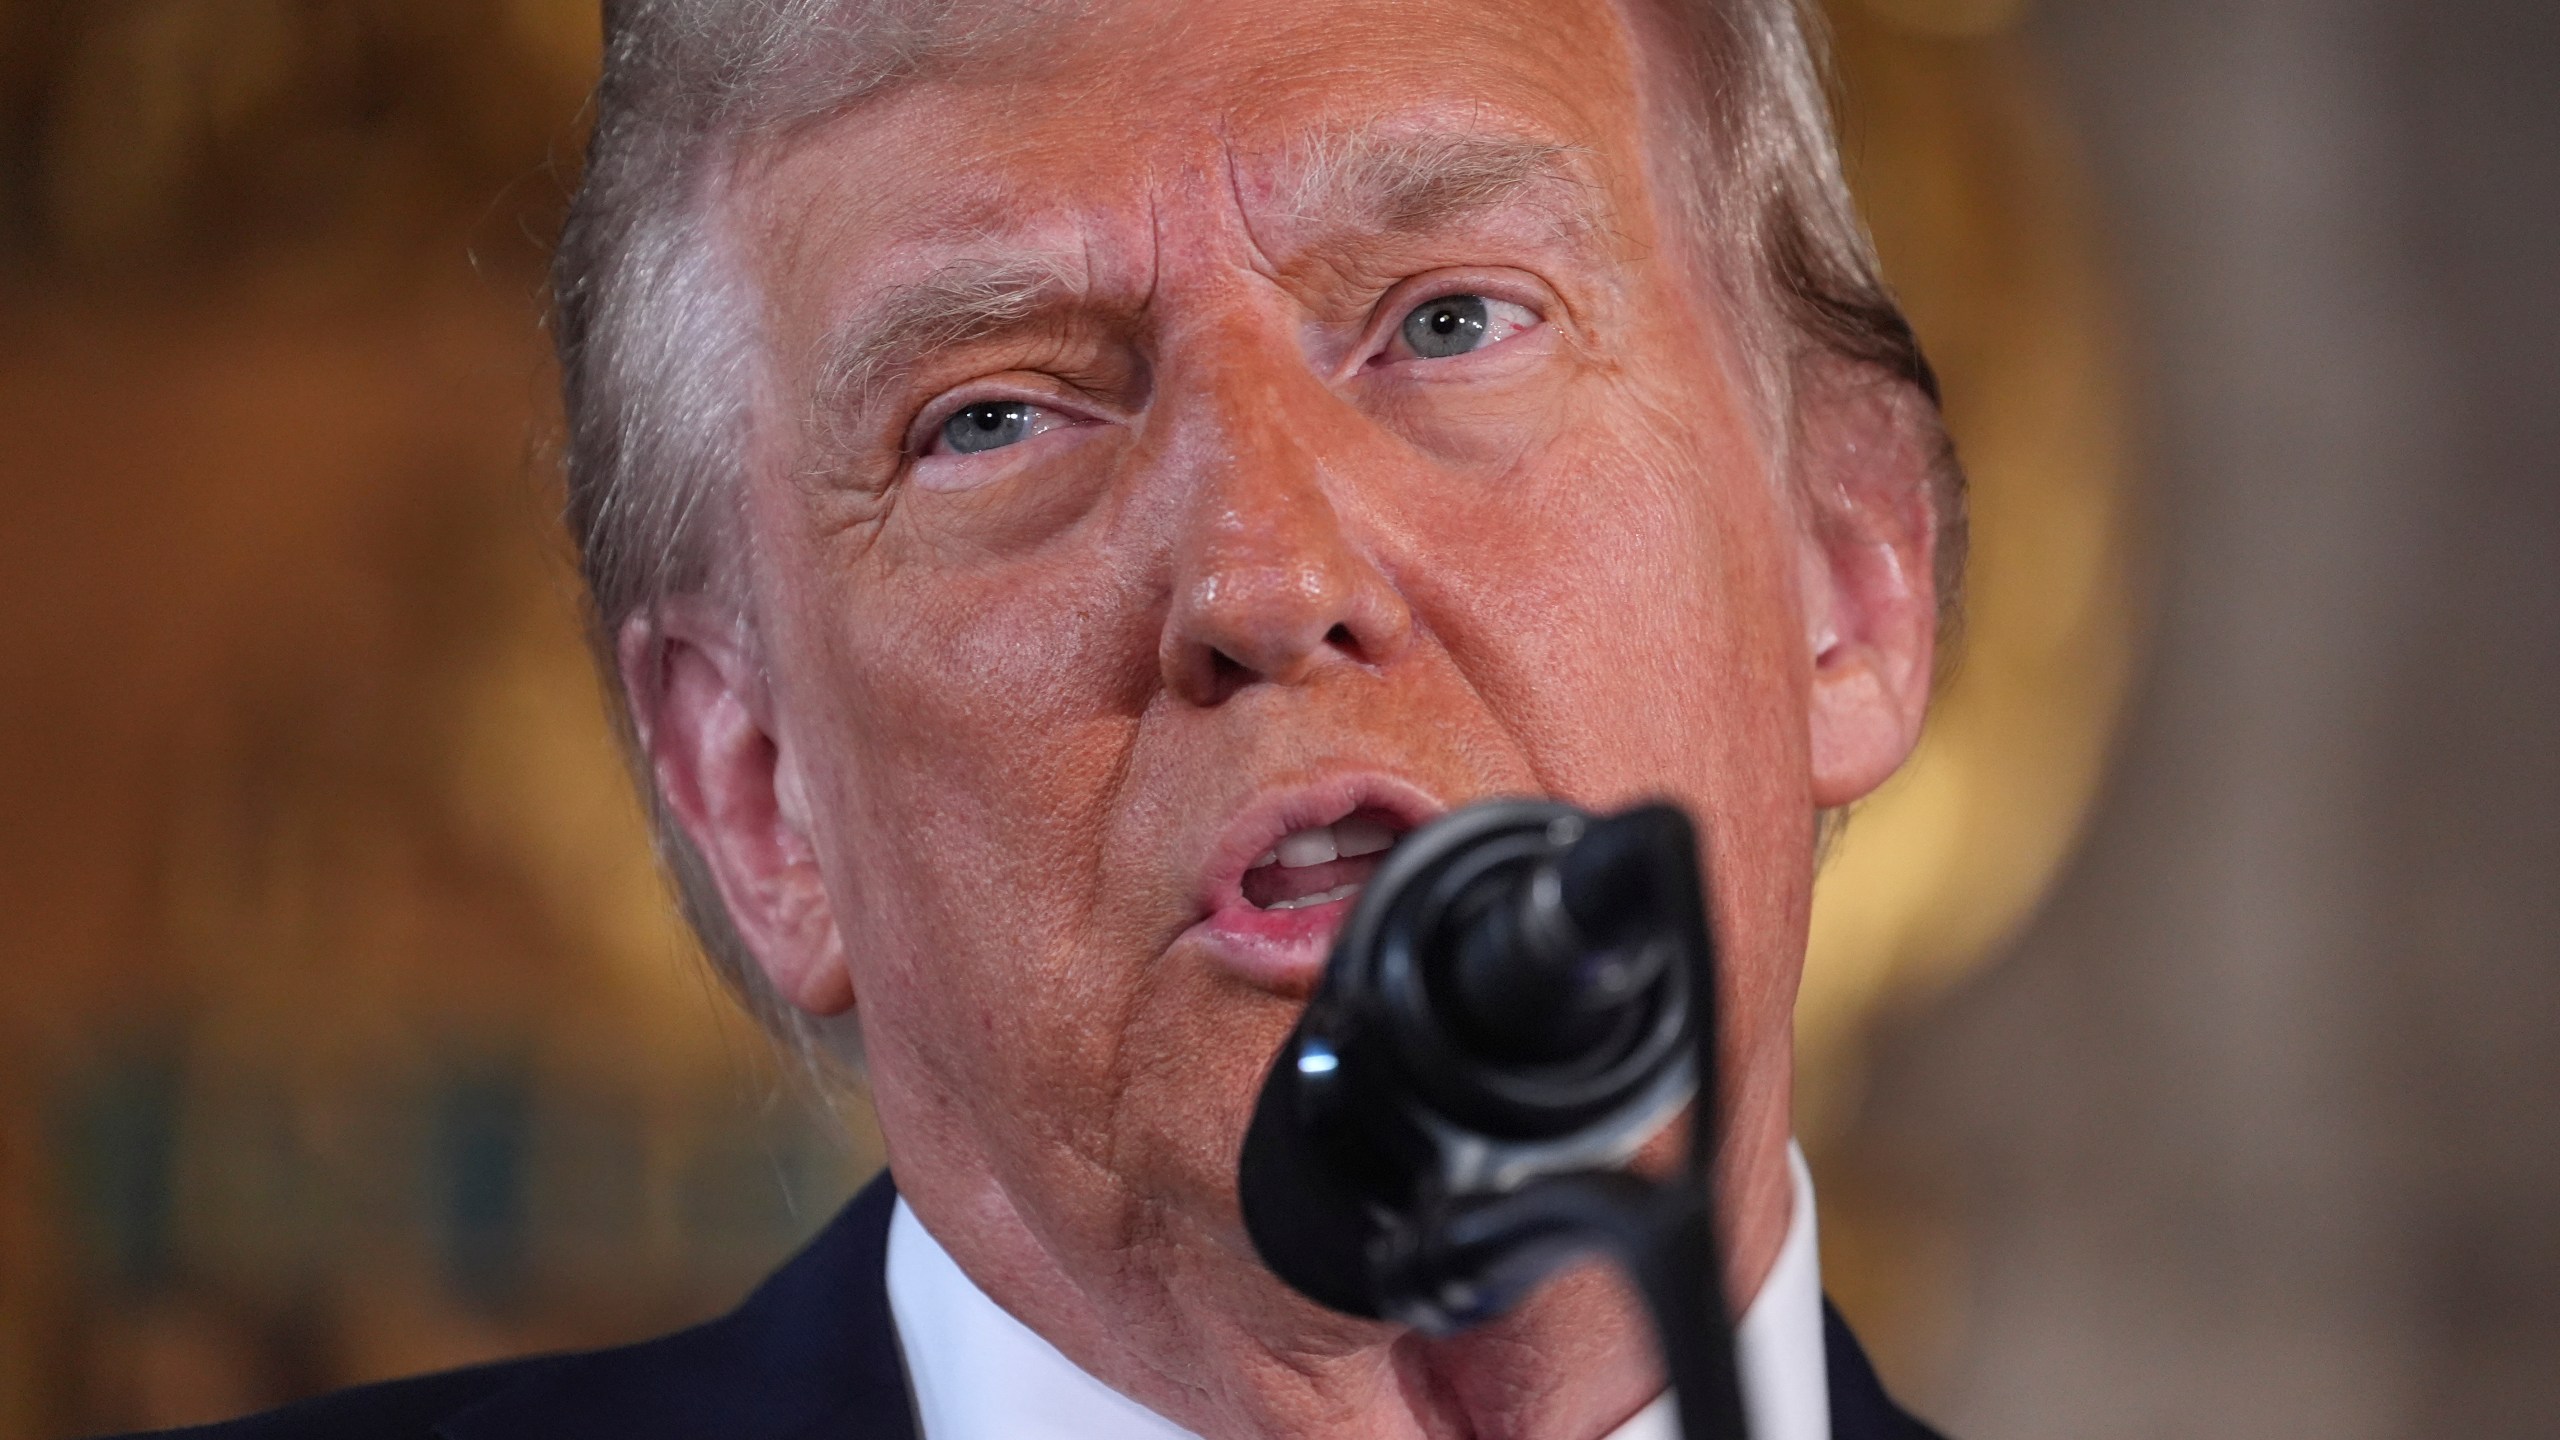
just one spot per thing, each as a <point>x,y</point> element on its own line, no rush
<point>1868,462</point>
<point>705,721</point>
<point>818,983</point>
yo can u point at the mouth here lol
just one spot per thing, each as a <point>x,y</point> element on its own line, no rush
<point>1320,864</point>
<point>1290,869</point>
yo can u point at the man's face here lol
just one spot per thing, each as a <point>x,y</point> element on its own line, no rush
<point>1195,429</point>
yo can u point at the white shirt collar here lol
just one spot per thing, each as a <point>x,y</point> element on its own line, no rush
<point>980,1374</point>
<point>1786,1380</point>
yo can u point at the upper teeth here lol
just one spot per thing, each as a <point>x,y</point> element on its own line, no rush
<point>1342,840</point>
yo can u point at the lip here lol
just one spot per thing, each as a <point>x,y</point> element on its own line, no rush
<point>1284,951</point>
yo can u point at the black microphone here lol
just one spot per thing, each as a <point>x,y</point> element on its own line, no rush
<point>1522,997</point>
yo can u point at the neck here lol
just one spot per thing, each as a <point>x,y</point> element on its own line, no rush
<point>1187,1322</point>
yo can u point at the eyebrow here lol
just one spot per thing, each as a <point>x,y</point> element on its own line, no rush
<point>964,299</point>
<point>1398,184</point>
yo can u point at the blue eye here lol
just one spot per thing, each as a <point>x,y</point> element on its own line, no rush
<point>990,425</point>
<point>1450,325</point>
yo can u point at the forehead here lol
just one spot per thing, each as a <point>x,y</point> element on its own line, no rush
<point>1269,66</point>
<point>1128,112</point>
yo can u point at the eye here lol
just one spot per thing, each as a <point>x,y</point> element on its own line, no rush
<point>993,425</point>
<point>1460,324</point>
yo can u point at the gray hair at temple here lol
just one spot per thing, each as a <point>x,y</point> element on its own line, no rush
<point>658,329</point>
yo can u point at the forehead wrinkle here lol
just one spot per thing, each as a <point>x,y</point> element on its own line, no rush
<point>1408,182</point>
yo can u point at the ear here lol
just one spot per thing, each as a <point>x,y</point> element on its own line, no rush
<point>704,717</point>
<point>1867,457</point>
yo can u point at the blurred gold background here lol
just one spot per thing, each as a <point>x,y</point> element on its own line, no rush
<point>347,1032</point>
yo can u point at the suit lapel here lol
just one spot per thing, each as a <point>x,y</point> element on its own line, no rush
<point>813,1352</point>
<point>1860,1408</point>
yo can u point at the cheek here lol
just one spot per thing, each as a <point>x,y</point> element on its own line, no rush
<point>1631,618</point>
<point>972,731</point>
<point>1615,605</point>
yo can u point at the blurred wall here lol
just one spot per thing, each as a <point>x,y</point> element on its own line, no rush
<point>2257,1130</point>
<point>346,1031</point>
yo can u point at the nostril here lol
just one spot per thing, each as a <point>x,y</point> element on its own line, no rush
<point>1208,659</point>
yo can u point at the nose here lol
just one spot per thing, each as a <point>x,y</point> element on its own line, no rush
<point>1269,585</point>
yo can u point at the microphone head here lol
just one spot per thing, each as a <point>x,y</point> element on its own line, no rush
<point>1499,1008</point>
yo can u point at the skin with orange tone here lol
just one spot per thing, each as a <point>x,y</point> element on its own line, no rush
<point>989,718</point>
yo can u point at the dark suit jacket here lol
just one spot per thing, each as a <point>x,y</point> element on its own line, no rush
<point>811,1355</point>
